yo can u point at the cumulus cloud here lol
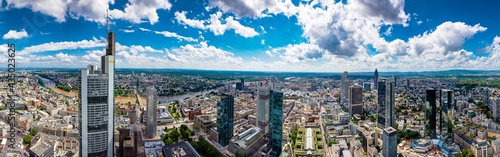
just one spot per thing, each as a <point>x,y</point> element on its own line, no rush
<point>54,8</point>
<point>298,52</point>
<point>182,19</point>
<point>13,34</point>
<point>64,45</point>
<point>90,10</point>
<point>135,10</point>
<point>216,24</point>
<point>387,11</point>
<point>261,8</point>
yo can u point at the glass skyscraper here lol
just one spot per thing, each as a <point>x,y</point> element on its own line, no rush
<point>225,118</point>
<point>95,104</point>
<point>276,121</point>
<point>381,90</point>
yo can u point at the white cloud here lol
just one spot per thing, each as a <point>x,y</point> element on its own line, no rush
<point>54,8</point>
<point>90,10</point>
<point>65,57</point>
<point>127,30</point>
<point>260,8</point>
<point>263,42</point>
<point>135,10</point>
<point>298,52</point>
<point>175,35</point>
<point>386,11</point>
<point>217,25</point>
<point>240,29</point>
<point>388,31</point>
<point>144,29</point>
<point>65,45</point>
<point>13,34</point>
<point>182,19</point>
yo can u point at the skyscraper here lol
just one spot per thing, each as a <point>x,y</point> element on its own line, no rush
<point>381,100</point>
<point>263,105</point>
<point>390,139</point>
<point>95,104</point>
<point>344,88</point>
<point>276,121</point>
<point>486,96</point>
<point>225,118</point>
<point>431,99</point>
<point>151,101</point>
<point>355,100</point>
<point>390,115</point>
<point>496,107</point>
<point>375,79</point>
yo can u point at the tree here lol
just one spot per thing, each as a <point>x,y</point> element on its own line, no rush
<point>34,132</point>
<point>174,135</point>
<point>470,100</point>
<point>27,139</point>
<point>465,153</point>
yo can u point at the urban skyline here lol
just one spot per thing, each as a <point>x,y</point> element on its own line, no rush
<point>273,78</point>
<point>178,35</point>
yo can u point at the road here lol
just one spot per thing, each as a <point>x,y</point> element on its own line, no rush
<point>327,148</point>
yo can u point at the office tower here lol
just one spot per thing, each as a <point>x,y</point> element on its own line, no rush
<point>225,118</point>
<point>408,83</point>
<point>496,107</point>
<point>276,121</point>
<point>395,81</point>
<point>390,139</point>
<point>95,104</point>
<point>381,100</point>
<point>375,79</point>
<point>431,100</point>
<point>367,86</point>
<point>344,87</point>
<point>355,100</point>
<point>242,84</point>
<point>486,96</point>
<point>151,102</point>
<point>263,105</point>
<point>390,115</point>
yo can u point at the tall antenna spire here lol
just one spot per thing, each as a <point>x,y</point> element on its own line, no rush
<point>107,16</point>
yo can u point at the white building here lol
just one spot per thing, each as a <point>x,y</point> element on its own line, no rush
<point>96,105</point>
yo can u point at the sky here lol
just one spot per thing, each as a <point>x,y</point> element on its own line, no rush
<point>256,35</point>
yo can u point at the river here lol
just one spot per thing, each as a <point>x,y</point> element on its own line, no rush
<point>48,83</point>
<point>183,96</point>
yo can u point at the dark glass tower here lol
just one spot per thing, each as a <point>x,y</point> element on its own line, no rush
<point>431,99</point>
<point>375,79</point>
<point>381,100</point>
<point>276,121</point>
<point>225,118</point>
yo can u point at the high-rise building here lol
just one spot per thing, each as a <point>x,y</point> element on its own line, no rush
<point>390,115</point>
<point>225,118</point>
<point>355,100</point>
<point>496,107</point>
<point>367,86</point>
<point>431,100</point>
<point>242,84</point>
<point>96,105</point>
<point>344,88</point>
<point>276,121</point>
<point>263,105</point>
<point>390,141</point>
<point>375,79</point>
<point>486,96</point>
<point>151,101</point>
<point>408,83</point>
<point>381,100</point>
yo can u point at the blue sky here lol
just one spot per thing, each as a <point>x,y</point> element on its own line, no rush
<point>264,35</point>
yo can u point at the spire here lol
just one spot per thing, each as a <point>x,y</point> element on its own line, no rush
<point>107,16</point>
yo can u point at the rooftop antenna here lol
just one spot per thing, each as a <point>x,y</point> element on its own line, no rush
<point>107,16</point>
